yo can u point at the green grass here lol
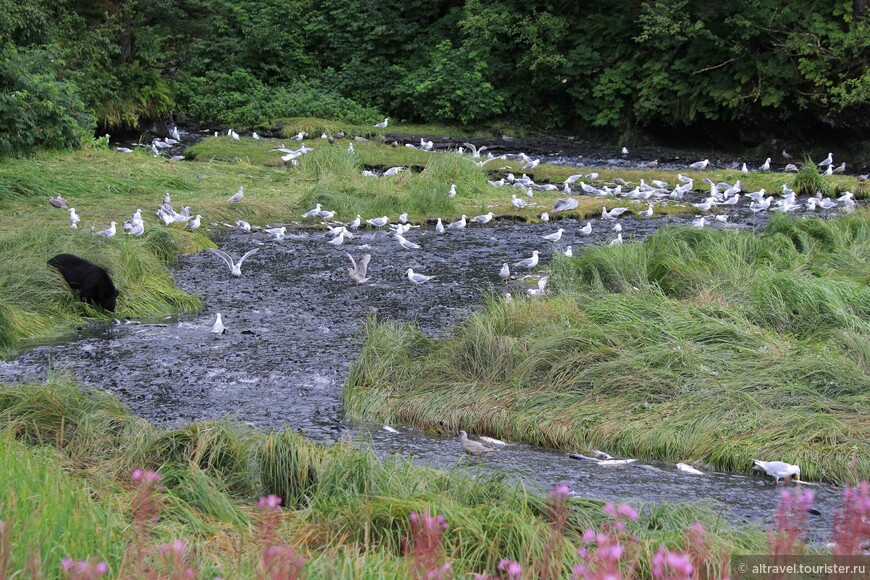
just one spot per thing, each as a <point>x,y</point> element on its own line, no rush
<point>699,346</point>
<point>315,127</point>
<point>67,453</point>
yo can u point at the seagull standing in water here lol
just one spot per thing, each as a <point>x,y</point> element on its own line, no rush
<point>778,470</point>
<point>417,279</point>
<point>235,267</point>
<point>378,222</point>
<point>217,329</point>
<point>528,263</point>
<point>555,236</point>
<point>458,224</point>
<point>358,272</point>
<point>472,447</point>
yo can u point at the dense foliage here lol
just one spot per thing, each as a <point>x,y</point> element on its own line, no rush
<point>622,66</point>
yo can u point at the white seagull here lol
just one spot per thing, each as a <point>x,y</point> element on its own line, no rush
<point>483,219</point>
<point>355,223</point>
<point>587,229</point>
<point>109,232</point>
<point>504,273</point>
<point>237,196</point>
<point>439,227</point>
<point>312,212</point>
<point>277,233</point>
<point>383,124</point>
<point>778,469</point>
<point>452,191</point>
<point>405,243</point>
<point>700,165</point>
<point>74,218</point>
<point>528,263</point>
<point>235,267</point>
<point>417,279</point>
<point>217,329</point>
<point>829,160</point>
<point>458,224</point>
<point>378,222</point>
<point>243,225</point>
<point>555,236</point>
<point>358,272</point>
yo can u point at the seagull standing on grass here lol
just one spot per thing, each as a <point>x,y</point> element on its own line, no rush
<point>383,124</point>
<point>237,196</point>
<point>452,191</point>
<point>829,160</point>
<point>109,232</point>
<point>74,218</point>
<point>235,267</point>
<point>359,269</point>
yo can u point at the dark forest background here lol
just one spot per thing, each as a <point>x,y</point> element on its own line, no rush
<point>625,69</point>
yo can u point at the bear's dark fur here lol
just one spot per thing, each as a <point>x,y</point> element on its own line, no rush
<point>92,283</point>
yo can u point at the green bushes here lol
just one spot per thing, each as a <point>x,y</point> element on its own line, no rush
<point>239,98</point>
<point>38,110</point>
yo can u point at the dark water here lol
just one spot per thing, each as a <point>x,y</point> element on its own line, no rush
<point>294,321</point>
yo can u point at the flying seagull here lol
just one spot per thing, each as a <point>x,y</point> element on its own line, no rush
<point>235,268</point>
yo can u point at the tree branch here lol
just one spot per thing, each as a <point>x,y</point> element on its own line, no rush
<point>721,64</point>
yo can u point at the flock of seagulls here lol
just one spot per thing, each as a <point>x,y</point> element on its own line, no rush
<point>722,196</point>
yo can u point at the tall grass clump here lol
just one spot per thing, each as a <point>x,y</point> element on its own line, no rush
<point>705,346</point>
<point>808,180</point>
<point>89,483</point>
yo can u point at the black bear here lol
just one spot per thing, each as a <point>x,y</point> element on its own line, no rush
<point>93,283</point>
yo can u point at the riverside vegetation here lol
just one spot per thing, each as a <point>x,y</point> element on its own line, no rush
<point>69,453</point>
<point>89,489</point>
<point>694,345</point>
<point>104,185</point>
